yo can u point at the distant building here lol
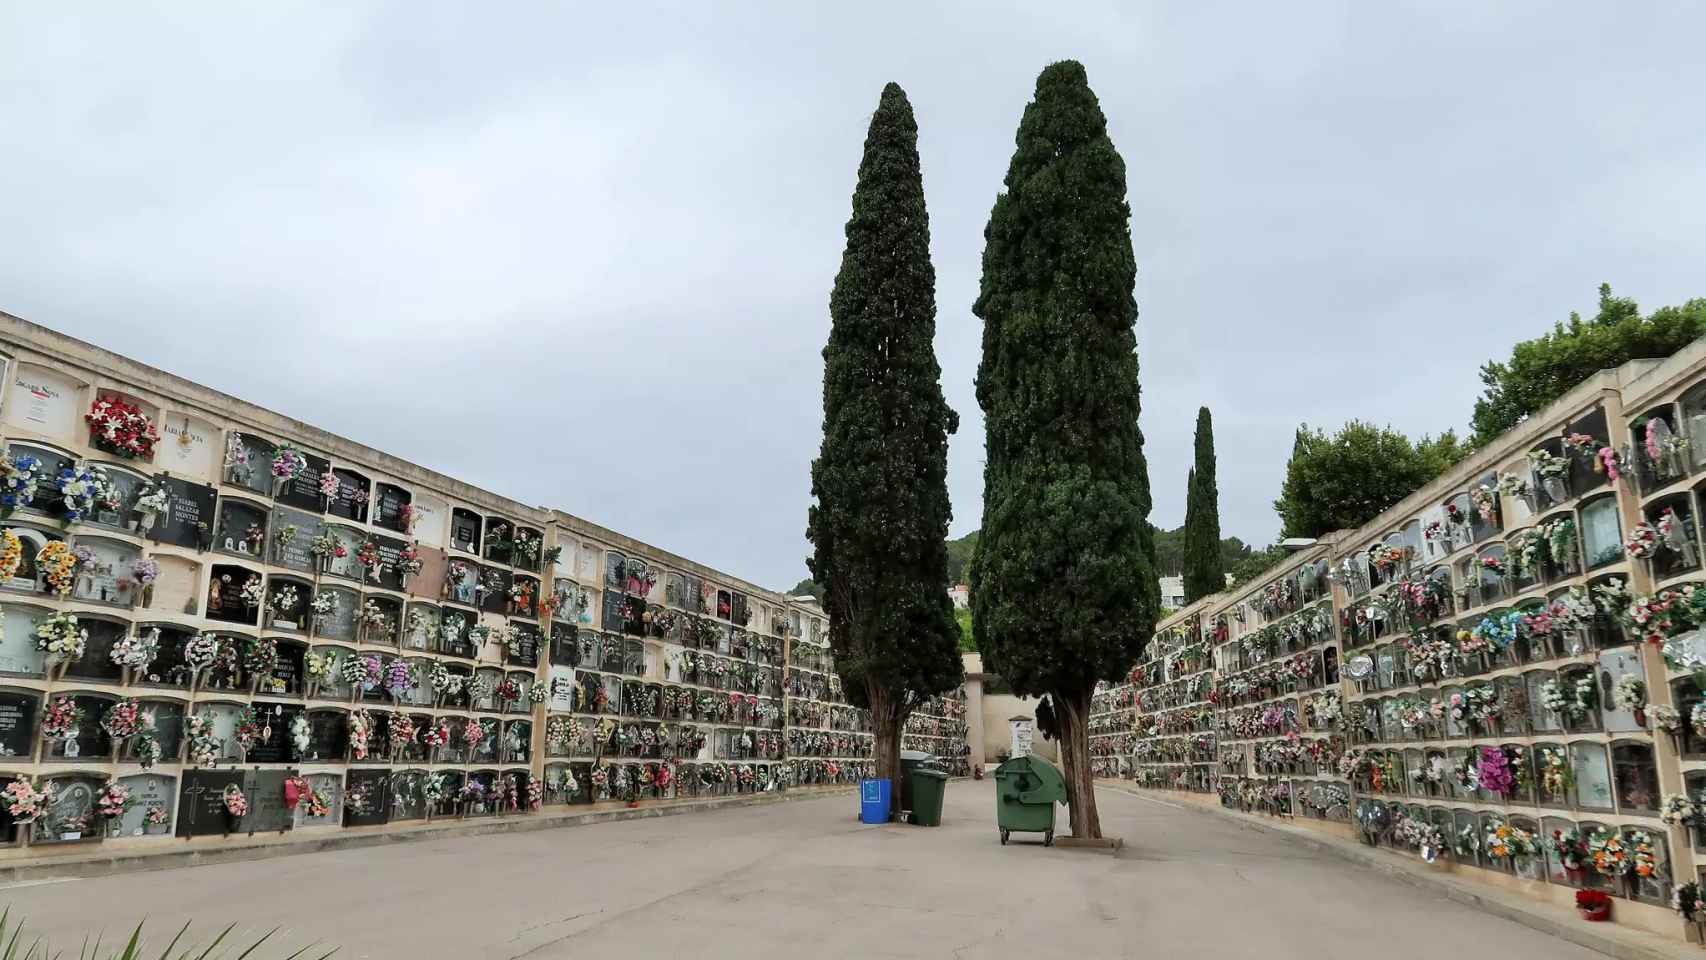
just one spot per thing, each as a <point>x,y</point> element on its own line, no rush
<point>961,595</point>
<point>1172,592</point>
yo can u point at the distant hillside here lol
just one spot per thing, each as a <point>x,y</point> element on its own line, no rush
<point>1169,558</point>
<point>959,555</point>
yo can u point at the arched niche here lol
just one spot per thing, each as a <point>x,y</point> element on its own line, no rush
<point>288,603</point>
<point>28,578</point>
<point>70,812</point>
<point>499,539</point>
<point>529,549</point>
<point>420,627</point>
<point>340,622</point>
<point>234,594</point>
<point>1636,776</point>
<point>247,462</point>
<point>118,511</point>
<point>1658,450</point>
<point>96,663</point>
<point>333,687</point>
<point>355,491</point>
<point>407,799</point>
<point>150,815</point>
<point>393,507</point>
<point>241,529</point>
<point>1594,788</point>
<point>168,719</point>
<point>1678,536</point>
<point>87,742</point>
<point>465,530</point>
<point>18,654</point>
<point>106,575</point>
<point>328,736</point>
<point>330,787</point>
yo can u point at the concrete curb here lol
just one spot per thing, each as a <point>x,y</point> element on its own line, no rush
<point>119,863</point>
<point>1623,943</point>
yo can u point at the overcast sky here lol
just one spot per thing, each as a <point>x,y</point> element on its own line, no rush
<point>591,247</point>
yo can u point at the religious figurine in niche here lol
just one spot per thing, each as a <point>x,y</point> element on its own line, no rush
<point>215,603</point>
<point>238,469</point>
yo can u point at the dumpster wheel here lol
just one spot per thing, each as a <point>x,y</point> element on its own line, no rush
<point>1004,838</point>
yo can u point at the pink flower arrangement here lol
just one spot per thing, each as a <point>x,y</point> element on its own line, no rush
<point>1495,772</point>
<point>236,804</point>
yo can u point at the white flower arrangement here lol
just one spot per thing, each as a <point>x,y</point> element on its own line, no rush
<point>1677,808</point>
<point>1664,719</point>
<point>1630,693</point>
<point>61,638</point>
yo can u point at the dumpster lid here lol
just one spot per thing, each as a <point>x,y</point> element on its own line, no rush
<point>930,772</point>
<point>1050,778</point>
<point>915,755</point>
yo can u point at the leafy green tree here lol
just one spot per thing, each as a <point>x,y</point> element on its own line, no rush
<point>1541,370</point>
<point>1063,583</point>
<point>880,523</point>
<point>1343,481</point>
<point>1254,563</point>
<point>807,588</point>
<point>1205,567</point>
<point>959,556</point>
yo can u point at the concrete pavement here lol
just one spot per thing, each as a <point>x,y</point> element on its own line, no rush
<point>806,878</point>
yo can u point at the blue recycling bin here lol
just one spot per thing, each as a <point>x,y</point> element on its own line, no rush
<point>874,800</point>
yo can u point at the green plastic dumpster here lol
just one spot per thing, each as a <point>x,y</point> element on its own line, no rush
<point>1026,790</point>
<point>928,786</point>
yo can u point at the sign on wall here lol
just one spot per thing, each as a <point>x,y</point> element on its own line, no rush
<point>186,446</point>
<point>44,401</point>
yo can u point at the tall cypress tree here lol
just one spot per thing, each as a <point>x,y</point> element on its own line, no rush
<point>1205,568</point>
<point>880,524</point>
<point>1063,587</point>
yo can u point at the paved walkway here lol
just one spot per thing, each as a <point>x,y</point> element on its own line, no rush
<point>804,878</point>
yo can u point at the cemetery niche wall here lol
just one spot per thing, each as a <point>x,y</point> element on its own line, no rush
<point>240,627</point>
<point>1502,675</point>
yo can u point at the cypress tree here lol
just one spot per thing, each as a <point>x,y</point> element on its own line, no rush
<point>880,523</point>
<point>1205,568</point>
<point>1063,587</point>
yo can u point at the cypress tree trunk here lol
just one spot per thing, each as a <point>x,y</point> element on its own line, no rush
<point>1072,713</point>
<point>886,723</point>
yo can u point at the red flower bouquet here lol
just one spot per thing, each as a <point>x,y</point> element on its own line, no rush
<point>121,428</point>
<point>1594,905</point>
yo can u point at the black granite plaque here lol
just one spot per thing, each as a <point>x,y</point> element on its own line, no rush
<point>390,549</point>
<point>367,798</point>
<point>353,493</point>
<point>189,516</point>
<point>273,746</point>
<point>565,644</point>
<point>464,530</point>
<point>17,724</point>
<point>388,504</point>
<point>524,647</point>
<point>201,802</point>
<point>328,737</point>
<point>303,491</point>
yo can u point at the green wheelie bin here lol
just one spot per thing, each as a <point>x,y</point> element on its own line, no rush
<point>928,786</point>
<point>1026,790</point>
